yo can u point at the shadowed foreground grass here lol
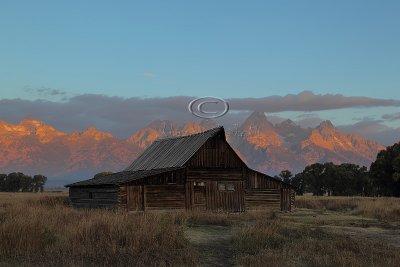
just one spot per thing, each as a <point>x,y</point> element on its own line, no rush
<point>45,231</point>
<point>301,238</point>
<point>279,243</point>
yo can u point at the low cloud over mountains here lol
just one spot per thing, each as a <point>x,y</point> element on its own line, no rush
<point>122,116</point>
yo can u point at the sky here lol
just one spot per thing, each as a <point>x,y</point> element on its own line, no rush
<point>59,51</point>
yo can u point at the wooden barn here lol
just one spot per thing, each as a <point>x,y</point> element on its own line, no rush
<point>199,171</point>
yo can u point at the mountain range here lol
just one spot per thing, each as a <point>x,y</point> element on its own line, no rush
<point>33,147</point>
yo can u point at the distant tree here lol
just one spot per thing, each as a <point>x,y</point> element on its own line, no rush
<point>25,183</point>
<point>13,182</point>
<point>286,176</point>
<point>298,182</point>
<point>314,178</point>
<point>329,178</point>
<point>338,180</point>
<point>38,182</point>
<point>385,172</point>
<point>362,183</point>
<point>19,182</point>
<point>3,179</point>
<point>350,179</point>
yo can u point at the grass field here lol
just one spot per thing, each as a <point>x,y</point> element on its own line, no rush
<point>9,197</point>
<point>42,230</point>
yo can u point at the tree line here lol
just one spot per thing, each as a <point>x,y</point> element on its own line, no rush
<point>19,182</point>
<point>382,179</point>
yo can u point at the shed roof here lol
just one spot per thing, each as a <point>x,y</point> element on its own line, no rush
<point>270,177</point>
<point>172,152</point>
<point>120,177</point>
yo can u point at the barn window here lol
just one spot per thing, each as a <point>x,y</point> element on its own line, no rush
<point>198,183</point>
<point>221,187</point>
<point>171,178</point>
<point>230,187</point>
<point>90,195</point>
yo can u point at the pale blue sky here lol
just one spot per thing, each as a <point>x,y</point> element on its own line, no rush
<point>197,48</point>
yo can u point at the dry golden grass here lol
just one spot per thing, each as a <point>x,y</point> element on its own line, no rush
<point>12,197</point>
<point>210,218</point>
<point>279,243</point>
<point>46,232</point>
<point>301,238</point>
<point>42,230</point>
<point>383,208</point>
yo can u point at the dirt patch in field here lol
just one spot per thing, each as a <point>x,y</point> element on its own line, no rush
<point>351,225</point>
<point>388,236</point>
<point>213,243</point>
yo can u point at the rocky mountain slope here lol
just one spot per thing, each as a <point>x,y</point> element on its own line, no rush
<point>35,147</point>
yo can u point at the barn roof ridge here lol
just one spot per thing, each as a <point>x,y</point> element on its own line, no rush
<point>189,135</point>
<point>172,152</point>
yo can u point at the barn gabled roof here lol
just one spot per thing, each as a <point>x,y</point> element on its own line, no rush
<point>162,156</point>
<point>172,152</point>
<point>120,177</point>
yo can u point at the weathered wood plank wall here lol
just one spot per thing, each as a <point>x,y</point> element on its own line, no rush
<point>153,197</point>
<point>203,174</point>
<point>94,197</point>
<point>215,195</point>
<point>229,199</point>
<point>263,191</point>
<point>164,197</point>
<point>123,197</point>
<point>162,179</point>
<point>213,164</point>
<point>285,199</point>
<point>154,192</point>
<point>263,198</point>
<point>135,197</point>
<point>292,199</point>
<point>256,180</point>
<point>215,153</point>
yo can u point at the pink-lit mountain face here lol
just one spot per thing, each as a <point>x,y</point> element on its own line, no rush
<point>35,147</point>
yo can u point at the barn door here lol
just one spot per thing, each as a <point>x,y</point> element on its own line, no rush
<point>199,195</point>
<point>134,198</point>
<point>285,199</point>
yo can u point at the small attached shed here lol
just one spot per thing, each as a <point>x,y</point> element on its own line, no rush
<point>199,171</point>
